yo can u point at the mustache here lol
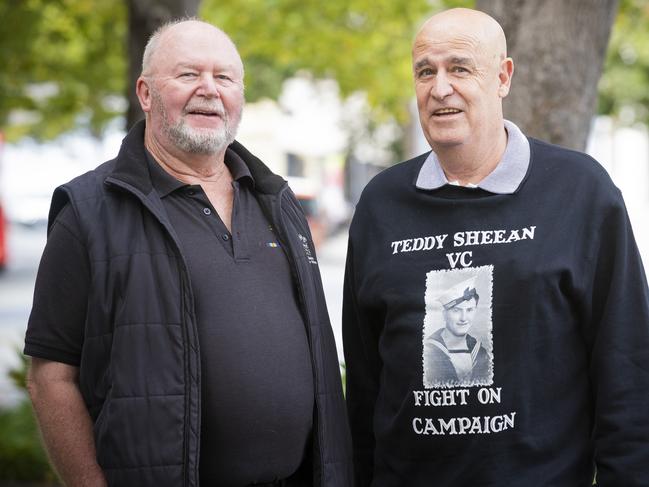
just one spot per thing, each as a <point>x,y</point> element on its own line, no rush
<point>208,107</point>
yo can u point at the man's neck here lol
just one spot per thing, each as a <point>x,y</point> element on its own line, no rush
<point>454,342</point>
<point>471,163</point>
<point>208,171</point>
<point>187,167</point>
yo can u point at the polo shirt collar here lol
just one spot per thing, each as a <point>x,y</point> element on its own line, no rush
<point>504,179</point>
<point>164,183</point>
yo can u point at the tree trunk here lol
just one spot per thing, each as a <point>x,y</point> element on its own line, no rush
<point>558,48</point>
<point>144,17</point>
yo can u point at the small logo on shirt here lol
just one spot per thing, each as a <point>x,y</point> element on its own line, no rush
<point>272,245</point>
<point>307,249</point>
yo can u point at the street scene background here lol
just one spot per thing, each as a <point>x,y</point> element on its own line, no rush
<point>330,103</point>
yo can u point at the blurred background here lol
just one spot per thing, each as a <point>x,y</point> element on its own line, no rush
<point>330,102</point>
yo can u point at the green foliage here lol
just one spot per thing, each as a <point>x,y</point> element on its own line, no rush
<point>624,86</point>
<point>22,457</point>
<point>363,44</point>
<point>63,63</point>
<point>21,454</point>
<point>19,374</point>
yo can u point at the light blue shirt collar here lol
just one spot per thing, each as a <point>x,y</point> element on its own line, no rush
<point>504,179</point>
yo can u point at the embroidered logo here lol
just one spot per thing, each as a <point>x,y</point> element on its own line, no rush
<point>307,249</point>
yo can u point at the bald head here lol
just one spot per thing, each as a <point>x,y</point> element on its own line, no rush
<point>477,29</point>
<point>191,90</point>
<point>462,73</point>
<point>178,31</point>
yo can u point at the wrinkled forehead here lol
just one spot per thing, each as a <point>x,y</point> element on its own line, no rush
<point>461,31</point>
<point>442,45</point>
<point>198,46</point>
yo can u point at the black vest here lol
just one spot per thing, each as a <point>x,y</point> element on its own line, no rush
<point>140,362</point>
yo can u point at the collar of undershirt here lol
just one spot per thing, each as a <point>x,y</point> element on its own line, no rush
<point>504,179</point>
<point>164,183</point>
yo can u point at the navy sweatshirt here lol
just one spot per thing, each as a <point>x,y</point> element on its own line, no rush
<point>558,339</point>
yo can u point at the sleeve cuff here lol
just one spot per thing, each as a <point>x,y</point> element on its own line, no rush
<point>53,354</point>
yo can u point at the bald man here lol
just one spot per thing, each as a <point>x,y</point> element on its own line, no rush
<point>563,314</point>
<point>179,335</point>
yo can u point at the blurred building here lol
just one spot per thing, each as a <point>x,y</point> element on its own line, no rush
<point>301,137</point>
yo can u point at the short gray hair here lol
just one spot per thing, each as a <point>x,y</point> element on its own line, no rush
<point>152,44</point>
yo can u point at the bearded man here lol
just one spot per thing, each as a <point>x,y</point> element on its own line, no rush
<point>179,335</point>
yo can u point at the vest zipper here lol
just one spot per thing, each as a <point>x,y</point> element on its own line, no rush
<point>184,278</point>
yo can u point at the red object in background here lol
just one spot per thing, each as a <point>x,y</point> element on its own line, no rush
<point>313,218</point>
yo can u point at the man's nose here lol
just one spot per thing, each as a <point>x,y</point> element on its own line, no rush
<point>442,86</point>
<point>208,86</point>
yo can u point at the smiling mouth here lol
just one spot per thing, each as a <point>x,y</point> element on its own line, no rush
<point>204,113</point>
<point>442,112</point>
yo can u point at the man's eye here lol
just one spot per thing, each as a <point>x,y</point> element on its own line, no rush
<point>425,72</point>
<point>223,77</point>
<point>460,69</point>
<point>188,75</point>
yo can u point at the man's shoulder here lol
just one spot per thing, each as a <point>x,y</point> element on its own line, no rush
<point>568,161</point>
<point>436,336</point>
<point>391,182</point>
<point>552,164</point>
<point>397,176</point>
<point>377,199</point>
<point>80,189</point>
<point>472,342</point>
<point>91,178</point>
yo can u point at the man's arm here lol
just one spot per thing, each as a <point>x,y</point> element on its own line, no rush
<point>65,423</point>
<point>362,378</point>
<point>618,334</point>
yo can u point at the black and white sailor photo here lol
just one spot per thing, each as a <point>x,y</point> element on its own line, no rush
<point>457,329</point>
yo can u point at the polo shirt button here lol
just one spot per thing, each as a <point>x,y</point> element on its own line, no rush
<point>207,211</point>
<point>225,237</point>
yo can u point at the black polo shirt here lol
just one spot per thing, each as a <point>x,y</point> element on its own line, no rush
<point>257,379</point>
<point>256,371</point>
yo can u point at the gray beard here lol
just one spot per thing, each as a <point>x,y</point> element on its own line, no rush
<point>193,141</point>
<point>200,142</point>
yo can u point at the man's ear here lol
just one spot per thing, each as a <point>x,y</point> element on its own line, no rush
<point>505,76</point>
<point>143,92</point>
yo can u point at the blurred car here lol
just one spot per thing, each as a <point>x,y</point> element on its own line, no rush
<point>306,193</point>
<point>30,175</point>
<point>28,209</point>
